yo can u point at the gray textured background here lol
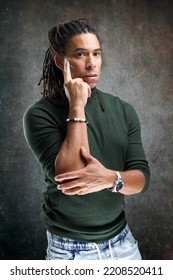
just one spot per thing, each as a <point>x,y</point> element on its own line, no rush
<point>137,42</point>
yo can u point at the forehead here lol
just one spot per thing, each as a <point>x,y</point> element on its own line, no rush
<point>87,41</point>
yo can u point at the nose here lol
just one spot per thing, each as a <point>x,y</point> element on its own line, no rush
<point>90,63</point>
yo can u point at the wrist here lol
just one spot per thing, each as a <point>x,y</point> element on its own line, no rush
<point>76,111</point>
<point>77,120</point>
<point>118,183</point>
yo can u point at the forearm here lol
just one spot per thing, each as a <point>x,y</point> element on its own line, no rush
<point>69,158</point>
<point>95,177</point>
<point>134,182</point>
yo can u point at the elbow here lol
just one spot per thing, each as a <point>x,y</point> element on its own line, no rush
<point>59,164</point>
<point>146,183</point>
<point>141,184</point>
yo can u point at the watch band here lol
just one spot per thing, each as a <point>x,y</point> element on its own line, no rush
<point>118,184</point>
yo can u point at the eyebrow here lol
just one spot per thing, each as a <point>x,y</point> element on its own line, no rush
<point>83,49</point>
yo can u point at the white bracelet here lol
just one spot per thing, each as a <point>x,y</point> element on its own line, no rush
<point>77,120</point>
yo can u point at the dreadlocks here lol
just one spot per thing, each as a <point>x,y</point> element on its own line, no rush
<point>59,36</point>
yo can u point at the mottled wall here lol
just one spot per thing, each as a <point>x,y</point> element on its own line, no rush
<point>137,50</point>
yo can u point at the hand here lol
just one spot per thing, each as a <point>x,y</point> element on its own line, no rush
<point>77,91</point>
<point>92,178</point>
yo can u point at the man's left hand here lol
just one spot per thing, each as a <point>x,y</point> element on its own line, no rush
<point>93,177</point>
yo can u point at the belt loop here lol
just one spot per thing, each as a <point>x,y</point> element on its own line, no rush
<point>98,250</point>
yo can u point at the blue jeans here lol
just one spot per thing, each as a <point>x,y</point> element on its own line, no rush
<point>123,246</point>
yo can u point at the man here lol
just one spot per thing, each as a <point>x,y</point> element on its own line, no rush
<point>89,146</point>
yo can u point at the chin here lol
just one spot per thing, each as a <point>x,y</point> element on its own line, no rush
<point>92,85</point>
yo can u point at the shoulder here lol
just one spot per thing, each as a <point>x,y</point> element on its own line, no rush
<point>41,105</point>
<point>123,109</point>
<point>44,116</point>
<point>45,109</point>
<point>118,103</point>
<point>38,115</point>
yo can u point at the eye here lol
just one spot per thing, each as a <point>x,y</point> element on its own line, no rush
<point>97,54</point>
<point>80,54</point>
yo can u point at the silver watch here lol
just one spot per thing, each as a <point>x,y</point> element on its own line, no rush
<point>118,184</point>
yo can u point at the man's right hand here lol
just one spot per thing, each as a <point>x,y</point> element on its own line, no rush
<point>77,91</point>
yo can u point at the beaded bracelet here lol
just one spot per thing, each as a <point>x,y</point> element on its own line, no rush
<point>77,120</point>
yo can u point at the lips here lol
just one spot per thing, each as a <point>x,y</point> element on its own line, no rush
<point>90,79</point>
<point>91,75</point>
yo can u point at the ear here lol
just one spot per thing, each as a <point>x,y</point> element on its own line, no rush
<point>59,61</point>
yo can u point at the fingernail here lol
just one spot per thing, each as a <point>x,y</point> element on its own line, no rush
<point>65,60</point>
<point>55,178</point>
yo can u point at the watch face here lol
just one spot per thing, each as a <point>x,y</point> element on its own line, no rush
<point>119,185</point>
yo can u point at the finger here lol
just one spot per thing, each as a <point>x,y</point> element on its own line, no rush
<point>65,177</point>
<point>89,91</point>
<point>73,191</point>
<point>68,186</point>
<point>85,155</point>
<point>68,176</point>
<point>67,72</point>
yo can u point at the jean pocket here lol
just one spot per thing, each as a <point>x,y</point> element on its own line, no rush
<point>54,253</point>
<point>130,240</point>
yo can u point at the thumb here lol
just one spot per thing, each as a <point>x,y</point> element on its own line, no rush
<point>89,91</point>
<point>85,154</point>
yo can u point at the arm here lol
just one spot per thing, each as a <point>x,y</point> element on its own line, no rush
<point>95,177</point>
<point>77,92</point>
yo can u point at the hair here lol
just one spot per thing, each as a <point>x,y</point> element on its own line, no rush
<point>59,36</point>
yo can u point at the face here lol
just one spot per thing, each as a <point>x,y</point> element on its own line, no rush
<point>84,55</point>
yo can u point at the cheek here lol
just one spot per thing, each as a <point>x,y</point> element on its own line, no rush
<point>74,74</point>
<point>75,71</point>
<point>100,65</point>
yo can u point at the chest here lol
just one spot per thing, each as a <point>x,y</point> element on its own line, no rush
<point>108,135</point>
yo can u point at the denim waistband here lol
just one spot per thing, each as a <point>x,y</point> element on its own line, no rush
<point>70,244</point>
